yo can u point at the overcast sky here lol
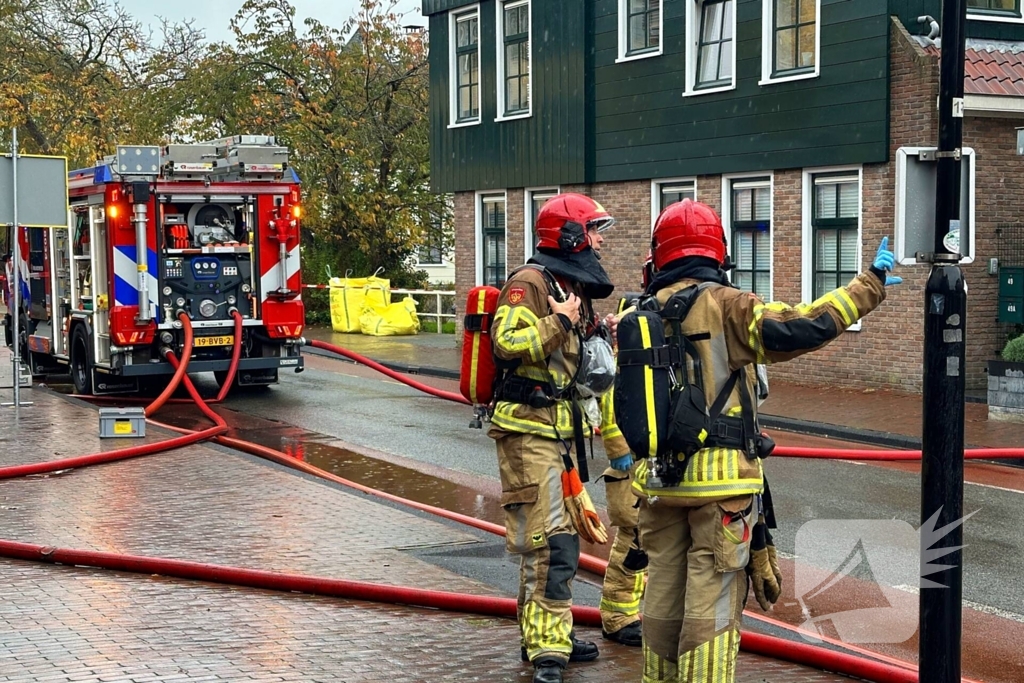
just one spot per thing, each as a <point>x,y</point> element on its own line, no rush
<point>213,16</point>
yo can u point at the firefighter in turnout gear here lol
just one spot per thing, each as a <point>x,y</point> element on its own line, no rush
<point>697,528</point>
<point>626,576</point>
<point>542,334</point>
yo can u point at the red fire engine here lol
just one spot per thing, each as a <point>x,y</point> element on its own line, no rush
<point>218,225</point>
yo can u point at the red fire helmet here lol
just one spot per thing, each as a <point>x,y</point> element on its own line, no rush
<point>687,228</point>
<point>563,222</point>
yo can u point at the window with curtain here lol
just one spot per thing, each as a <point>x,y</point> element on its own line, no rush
<point>750,215</point>
<point>836,231</point>
<point>643,26</point>
<point>795,30</point>
<point>467,67</point>
<point>715,44</point>
<point>516,29</point>
<point>670,193</point>
<point>492,225</point>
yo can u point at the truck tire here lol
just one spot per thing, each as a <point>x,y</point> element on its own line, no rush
<point>81,361</point>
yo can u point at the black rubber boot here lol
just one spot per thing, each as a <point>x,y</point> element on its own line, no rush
<point>631,635</point>
<point>582,650</point>
<point>547,671</point>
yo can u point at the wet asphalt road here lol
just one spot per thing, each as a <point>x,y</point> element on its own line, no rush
<point>354,405</point>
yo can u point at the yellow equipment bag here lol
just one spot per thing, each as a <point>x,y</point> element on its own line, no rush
<point>392,320</point>
<point>349,295</point>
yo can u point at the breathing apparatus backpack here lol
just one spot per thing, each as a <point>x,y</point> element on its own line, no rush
<point>482,374</point>
<point>486,379</point>
<point>660,399</point>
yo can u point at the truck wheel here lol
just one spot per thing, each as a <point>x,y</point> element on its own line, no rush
<point>81,362</point>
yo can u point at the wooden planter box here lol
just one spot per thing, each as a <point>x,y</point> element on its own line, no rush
<point>1005,391</point>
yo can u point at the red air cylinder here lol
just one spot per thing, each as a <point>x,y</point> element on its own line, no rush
<point>476,381</point>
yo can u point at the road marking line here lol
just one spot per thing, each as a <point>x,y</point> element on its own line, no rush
<point>977,606</point>
<point>863,463</point>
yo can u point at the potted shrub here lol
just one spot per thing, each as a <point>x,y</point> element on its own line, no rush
<point>1006,383</point>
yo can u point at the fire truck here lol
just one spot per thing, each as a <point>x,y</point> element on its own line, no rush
<point>209,231</point>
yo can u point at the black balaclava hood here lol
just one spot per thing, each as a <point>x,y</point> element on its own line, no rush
<point>689,268</point>
<point>582,267</point>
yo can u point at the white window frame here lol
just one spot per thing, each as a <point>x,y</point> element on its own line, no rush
<point>807,237</point>
<point>768,47</point>
<point>500,7</point>
<point>751,180</point>
<point>975,15</point>
<point>478,230</point>
<point>656,186</point>
<point>694,12</point>
<point>528,195</point>
<point>624,34</point>
<point>453,66</point>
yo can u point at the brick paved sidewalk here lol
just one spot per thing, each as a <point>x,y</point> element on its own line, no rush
<point>208,504</point>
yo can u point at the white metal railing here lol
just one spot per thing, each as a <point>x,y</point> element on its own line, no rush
<point>437,315</point>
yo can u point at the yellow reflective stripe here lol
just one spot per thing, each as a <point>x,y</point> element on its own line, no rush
<point>754,340</point>
<point>627,608</point>
<point>477,339</point>
<point>504,417</point>
<point>847,304</point>
<point>652,423</point>
<point>513,339</point>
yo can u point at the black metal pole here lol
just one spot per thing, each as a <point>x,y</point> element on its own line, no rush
<point>942,437</point>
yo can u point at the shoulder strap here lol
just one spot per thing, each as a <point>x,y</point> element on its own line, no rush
<point>723,397</point>
<point>553,287</point>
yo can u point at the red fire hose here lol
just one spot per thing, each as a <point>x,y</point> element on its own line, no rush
<point>186,353</point>
<point>134,451</point>
<point>236,356</point>
<point>439,393</point>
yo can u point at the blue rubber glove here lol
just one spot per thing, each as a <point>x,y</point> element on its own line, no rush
<point>622,463</point>
<point>885,261</point>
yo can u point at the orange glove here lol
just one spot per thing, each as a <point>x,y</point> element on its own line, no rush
<point>581,509</point>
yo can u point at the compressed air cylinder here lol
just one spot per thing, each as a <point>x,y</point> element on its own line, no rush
<point>642,392</point>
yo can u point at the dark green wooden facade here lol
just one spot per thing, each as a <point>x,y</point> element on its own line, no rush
<point>645,128</point>
<point>598,121</point>
<point>545,149</point>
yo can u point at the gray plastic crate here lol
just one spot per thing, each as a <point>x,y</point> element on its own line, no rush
<point>122,423</point>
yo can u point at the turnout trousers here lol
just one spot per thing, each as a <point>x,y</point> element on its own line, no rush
<point>539,529</point>
<point>626,576</point>
<point>696,589</point>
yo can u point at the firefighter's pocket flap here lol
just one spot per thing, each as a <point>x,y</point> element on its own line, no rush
<point>732,538</point>
<point>521,496</point>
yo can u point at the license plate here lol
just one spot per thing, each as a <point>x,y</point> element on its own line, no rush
<point>122,427</point>
<point>227,340</point>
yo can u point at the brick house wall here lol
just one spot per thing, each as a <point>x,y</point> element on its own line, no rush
<point>887,351</point>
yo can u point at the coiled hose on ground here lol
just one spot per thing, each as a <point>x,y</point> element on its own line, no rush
<point>893,671</point>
